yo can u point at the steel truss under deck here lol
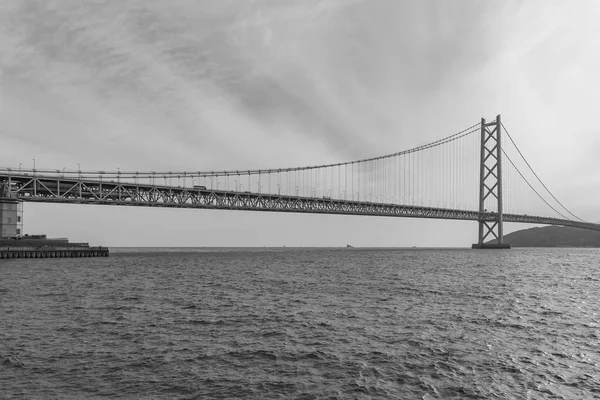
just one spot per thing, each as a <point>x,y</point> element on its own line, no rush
<point>56,189</point>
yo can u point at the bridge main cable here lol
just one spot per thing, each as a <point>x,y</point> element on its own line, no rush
<point>538,178</point>
<point>150,174</point>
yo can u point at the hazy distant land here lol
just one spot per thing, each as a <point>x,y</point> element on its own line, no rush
<point>553,236</point>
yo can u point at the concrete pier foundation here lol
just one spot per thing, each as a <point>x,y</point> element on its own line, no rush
<point>9,218</point>
<point>493,246</point>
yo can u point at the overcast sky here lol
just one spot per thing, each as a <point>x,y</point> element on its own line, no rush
<point>218,84</point>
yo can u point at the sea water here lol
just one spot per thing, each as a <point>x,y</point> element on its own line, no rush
<point>302,323</point>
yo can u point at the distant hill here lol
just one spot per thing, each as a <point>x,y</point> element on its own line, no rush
<point>553,236</point>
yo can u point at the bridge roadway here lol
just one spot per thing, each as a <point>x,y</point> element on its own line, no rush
<point>58,189</point>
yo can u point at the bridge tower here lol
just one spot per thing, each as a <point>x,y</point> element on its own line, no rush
<point>490,184</point>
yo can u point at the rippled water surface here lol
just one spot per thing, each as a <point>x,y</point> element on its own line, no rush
<point>302,323</point>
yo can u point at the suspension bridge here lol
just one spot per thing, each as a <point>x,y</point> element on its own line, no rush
<point>478,174</point>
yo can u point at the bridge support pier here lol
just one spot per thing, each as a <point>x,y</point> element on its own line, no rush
<point>9,218</point>
<point>490,184</point>
<point>491,246</point>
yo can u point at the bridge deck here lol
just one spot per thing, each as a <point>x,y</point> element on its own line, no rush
<point>56,189</point>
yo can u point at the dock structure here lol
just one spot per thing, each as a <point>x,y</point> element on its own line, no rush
<point>13,244</point>
<point>6,253</point>
<point>39,246</point>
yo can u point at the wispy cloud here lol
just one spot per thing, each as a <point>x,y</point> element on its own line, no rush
<point>340,73</point>
<point>347,78</point>
<point>187,84</point>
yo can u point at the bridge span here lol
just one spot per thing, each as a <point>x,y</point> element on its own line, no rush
<point>58,189</point>
<point>472,175</point>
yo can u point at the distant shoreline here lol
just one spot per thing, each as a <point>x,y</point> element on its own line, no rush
<point>554,237</point>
